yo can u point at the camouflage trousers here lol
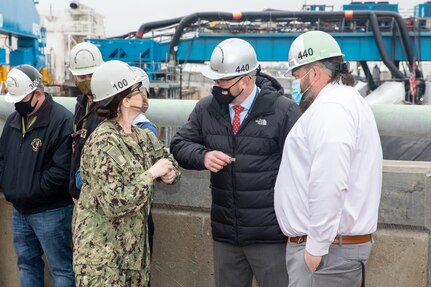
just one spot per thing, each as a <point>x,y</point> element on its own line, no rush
<point>103,276</point>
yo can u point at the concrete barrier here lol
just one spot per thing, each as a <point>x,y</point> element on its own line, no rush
<point>400,256</point>
<point>183,245</point>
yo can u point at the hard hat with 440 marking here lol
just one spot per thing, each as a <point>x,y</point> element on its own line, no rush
<point>110,79</point>
<point>232,57</point>
<point>311,47</point>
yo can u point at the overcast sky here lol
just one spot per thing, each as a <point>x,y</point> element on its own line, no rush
<point>127,15</point>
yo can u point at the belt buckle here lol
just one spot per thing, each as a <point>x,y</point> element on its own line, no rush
<point>301,239</point>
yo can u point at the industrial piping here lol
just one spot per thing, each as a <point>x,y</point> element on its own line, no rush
<point>146,27</point>
<point>281,16</point>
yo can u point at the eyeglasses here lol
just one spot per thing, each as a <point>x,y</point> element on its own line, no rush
<point>139,89</point>
<point>225,80</point>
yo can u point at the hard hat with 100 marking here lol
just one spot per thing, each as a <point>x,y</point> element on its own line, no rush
<point>110,79</point>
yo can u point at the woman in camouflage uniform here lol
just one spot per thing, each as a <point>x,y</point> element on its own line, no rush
<point>118,166</point>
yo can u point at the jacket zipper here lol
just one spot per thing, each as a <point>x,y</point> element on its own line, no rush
<point>234,194</point>
<point>17,167</point>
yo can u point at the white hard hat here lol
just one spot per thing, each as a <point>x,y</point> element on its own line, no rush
<point>141,73</point>
<point>21,81</point>
<point>84,58</point>
<point>311,47</point>
<point>110,79</point>
<point>232,57</point>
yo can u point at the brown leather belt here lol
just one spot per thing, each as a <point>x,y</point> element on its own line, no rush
<point>346,239</point>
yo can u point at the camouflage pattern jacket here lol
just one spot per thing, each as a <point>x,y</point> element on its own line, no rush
<point>110,219</point>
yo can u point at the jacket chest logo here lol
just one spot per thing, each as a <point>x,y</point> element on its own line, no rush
<point>84,133</point>
<point>81,133</point>
<point>36,144</point>
<point>261,122</point>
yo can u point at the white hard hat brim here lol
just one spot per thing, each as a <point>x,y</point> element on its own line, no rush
<point>80,72</point>
<point>210,74</point>
<point>15,99</point>
<point>110,96</point>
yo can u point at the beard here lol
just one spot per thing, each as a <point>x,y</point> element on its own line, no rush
<point>307,98</point>
<point>306,101</point>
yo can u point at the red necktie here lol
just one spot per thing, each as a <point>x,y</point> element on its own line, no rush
<point>236,119</point>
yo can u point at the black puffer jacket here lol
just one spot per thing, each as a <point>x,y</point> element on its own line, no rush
<point>85,122</point>
<point>34,167</point>
<point>242,210</point>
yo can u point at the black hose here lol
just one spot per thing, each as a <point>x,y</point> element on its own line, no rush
<point>380,45</point>
<point>282,16</point>
<point>124,36</point>
<point>405,37</point>
<point>371,84</point>
<point>146,27</point>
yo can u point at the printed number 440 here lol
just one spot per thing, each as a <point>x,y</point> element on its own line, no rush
<point>243,68</point>
<point>305,53</point>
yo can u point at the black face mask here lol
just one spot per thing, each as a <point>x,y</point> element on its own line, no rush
<point>223,95</point>
<point>25,108</point>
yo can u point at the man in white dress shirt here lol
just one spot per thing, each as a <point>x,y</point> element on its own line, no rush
<point>328,187</point>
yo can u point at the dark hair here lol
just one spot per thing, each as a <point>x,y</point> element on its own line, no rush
<point>111,110</point>
<point>345,77</point>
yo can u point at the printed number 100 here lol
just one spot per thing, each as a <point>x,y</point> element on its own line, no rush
<point>121,84</point>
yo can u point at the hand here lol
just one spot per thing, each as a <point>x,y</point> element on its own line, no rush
<point>161,167</point>
<point>215,160</point>
<point>169,177</point>
<point>312,261</point>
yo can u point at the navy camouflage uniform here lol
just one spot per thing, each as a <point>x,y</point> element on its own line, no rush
<point>110,232</point>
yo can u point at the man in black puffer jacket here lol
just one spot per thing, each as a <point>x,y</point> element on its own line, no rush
<point>238,134</point>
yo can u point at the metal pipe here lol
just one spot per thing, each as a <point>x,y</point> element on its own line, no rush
<point>392,120</point>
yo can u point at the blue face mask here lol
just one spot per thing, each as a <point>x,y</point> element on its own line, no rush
<point>296,89</point>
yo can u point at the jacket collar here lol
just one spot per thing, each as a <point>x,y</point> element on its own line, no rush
<point>42,115</point>
<point>82,112</point>
<point>82,101</point>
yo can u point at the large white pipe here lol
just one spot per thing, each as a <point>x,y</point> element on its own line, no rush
<point>392,120</point>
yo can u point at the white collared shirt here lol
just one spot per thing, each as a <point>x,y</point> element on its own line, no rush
<point>246,104</point>
<point>330,176</point>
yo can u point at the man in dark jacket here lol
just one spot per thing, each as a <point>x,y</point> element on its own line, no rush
<point>84,58</point>
<point>34,171</point>
<point>238,134</point>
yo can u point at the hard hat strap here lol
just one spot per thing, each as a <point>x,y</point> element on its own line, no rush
<point>342,68</point>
